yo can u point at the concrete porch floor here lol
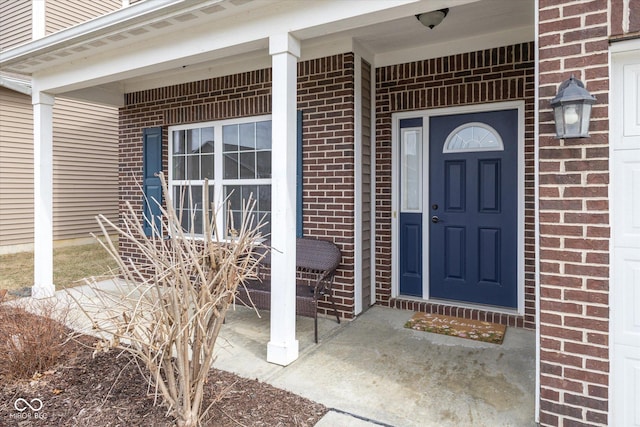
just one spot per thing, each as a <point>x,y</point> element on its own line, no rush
<point>373,371</point>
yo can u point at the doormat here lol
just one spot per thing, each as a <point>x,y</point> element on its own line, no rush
<point>457,327</point>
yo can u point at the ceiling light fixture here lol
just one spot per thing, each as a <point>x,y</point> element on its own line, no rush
<point>433,18</point>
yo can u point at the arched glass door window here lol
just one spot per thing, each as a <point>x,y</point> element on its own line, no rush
<point>473,136</point>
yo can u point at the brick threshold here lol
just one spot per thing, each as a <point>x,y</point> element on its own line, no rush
<point>514,320</point>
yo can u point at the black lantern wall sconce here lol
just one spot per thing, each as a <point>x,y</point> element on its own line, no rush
<point>572,109</point>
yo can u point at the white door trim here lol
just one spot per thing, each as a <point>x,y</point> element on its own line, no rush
<point>624,332</point>
<point>357,137</point>
<point>395,200</point>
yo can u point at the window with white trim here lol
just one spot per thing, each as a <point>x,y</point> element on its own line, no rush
<point>235,156</point>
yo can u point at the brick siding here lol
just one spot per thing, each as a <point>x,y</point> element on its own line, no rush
<point>326,96</point>
<point>500,74</point>
<point>574,220</point>
<point>625,18</point>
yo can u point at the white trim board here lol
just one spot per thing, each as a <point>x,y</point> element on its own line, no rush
<point>624,250</point>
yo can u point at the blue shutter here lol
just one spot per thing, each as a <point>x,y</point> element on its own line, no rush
<point>151,186</point>
<point>299,231</point>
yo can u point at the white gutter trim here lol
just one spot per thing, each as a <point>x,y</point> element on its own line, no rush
<point>16,86</point>
<point>138,13</point>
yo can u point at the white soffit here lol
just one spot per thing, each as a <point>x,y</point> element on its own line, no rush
<point>117,30</point>
<point>159,42</point>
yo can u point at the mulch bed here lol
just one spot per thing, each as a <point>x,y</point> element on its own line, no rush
<point>108,390</point>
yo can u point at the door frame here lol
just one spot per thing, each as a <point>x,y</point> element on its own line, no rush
<point>620,349</point>
<point>395,196</point>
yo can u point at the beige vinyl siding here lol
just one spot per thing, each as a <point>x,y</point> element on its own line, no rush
<point>85,141</point>
<point>61,14</point>
<point>366,184</point>
<point>16,169</point>
<point>85,164</point>
<point>85,169</point>
<point>15,23</point>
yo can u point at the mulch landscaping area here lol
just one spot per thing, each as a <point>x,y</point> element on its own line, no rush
<point>108,390</point>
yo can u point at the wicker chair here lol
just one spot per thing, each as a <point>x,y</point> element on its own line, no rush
<point>316,265</point>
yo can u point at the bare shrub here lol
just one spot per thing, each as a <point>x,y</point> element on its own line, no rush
<point>167,311</point>
<point>31,343</point>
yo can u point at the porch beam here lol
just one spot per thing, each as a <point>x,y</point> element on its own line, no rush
<point>283,346</point>
<point>43,194</point>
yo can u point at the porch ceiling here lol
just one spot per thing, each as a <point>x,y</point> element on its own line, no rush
<point>160,42</point>
<point>470,26</point>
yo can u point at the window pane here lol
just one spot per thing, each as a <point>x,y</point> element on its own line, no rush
<point>238,195</point>
<point>231,166</point>
<point>211,204</point>
<point>234,195</point>
<point>178,167</point>
<point>249,191</point>
<point>236,220</point>
<point>197,222</point>
<point>207,166</point>
<point>177,197</point>
<point>266,221</point>
<point>193,140</point>
<point>207,147</point>
<point>264,164</point>
<point>206,136</point>
<point>195,200</point>
<point>193,167</point>
<point>264,198</point>
<point>187,202</point>
<point>263,135</point>
<point>183,215</point>
<point>197,146</point>
<point>248,165</point>
<point>233,206</point>
<point>247,136</point>
<point>230,138</point>
<point>178,142</point>
<point>411,170</point>
<point>179,202</point>
<point>194,203</point>
<point>473,137</point>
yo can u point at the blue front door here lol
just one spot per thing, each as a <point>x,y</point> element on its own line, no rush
<point>473,188</point>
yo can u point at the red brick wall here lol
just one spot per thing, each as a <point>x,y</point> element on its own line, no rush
<point>625,20</point>
<point>574,221</point>
<point>325,94</point>
<point>501,74</point>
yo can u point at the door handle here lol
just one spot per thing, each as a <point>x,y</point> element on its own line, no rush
<point>435,219</point>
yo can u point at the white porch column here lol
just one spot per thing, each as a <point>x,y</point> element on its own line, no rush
<point>283,346</point>
<point>43,194</point>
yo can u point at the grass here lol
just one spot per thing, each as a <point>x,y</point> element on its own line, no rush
<point>70,265</point>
